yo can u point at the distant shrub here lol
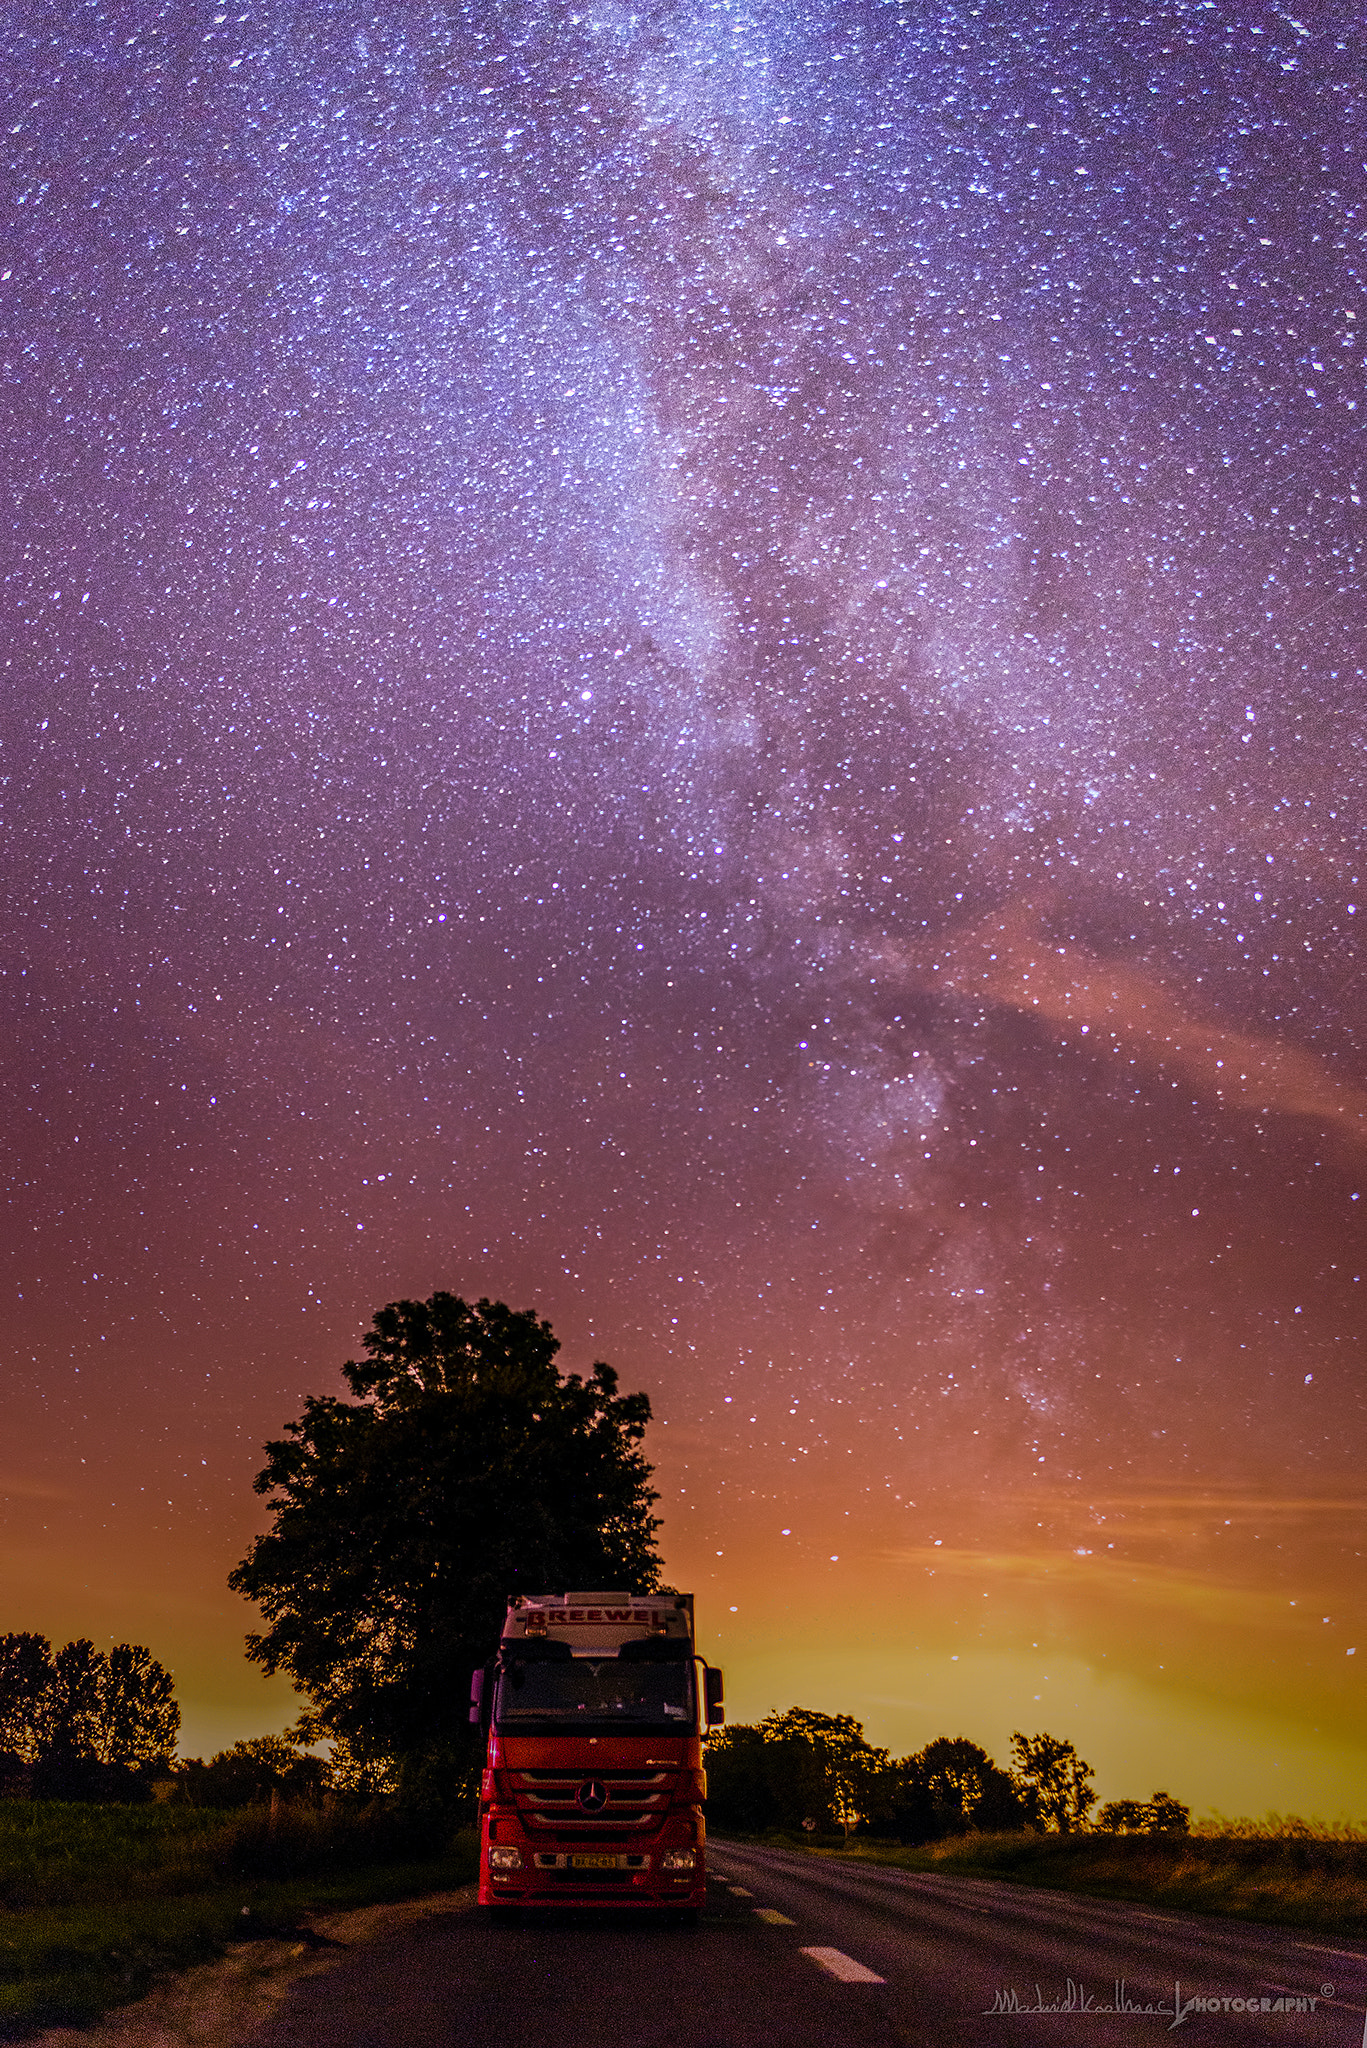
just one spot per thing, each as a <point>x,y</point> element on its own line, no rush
<point>252,1771</point>
<point>1161,1815</point>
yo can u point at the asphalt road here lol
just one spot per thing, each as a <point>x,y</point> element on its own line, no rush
<point>799,1952</point>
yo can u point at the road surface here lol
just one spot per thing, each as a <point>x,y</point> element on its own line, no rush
<point>803,1952</point>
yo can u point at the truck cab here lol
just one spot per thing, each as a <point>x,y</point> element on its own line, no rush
<point>593,1785</point>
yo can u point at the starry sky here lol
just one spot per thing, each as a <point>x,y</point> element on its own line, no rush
<point>702,666</point>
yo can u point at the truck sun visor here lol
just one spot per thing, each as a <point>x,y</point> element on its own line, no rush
<point>536,1650</point>
<point>655,1650</point>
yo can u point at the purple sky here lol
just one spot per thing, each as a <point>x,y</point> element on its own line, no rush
<point>704,668</point>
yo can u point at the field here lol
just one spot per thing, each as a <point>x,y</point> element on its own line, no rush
<point>96,1902</point>
<point>1286,1872</point>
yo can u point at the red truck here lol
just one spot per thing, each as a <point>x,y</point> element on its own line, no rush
<point>593,1784</point>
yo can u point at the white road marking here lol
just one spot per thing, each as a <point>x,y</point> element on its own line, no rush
<point>842,1966</point>
<point>773,1916</point>
<point>738,1891</point>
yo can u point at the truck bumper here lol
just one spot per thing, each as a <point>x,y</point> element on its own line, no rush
<point>630,1875</point>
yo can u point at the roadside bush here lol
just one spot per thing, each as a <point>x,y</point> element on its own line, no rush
<point>1280,1871</point>
<point>262,1767</point>
<point>293,1839</point>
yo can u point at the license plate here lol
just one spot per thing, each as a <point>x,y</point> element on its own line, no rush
<point>592,1862</point>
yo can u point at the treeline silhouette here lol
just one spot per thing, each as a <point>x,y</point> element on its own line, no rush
<point>804,1770</point>
<point>83,1723</point>
<point>87,1724</point>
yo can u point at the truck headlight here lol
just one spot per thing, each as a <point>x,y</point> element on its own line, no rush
<point>505,1858</point>
<point>678,1859</point>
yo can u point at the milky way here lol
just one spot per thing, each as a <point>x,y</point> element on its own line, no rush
<point>702,666</point>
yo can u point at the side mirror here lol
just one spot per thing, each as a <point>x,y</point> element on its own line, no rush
<point>716,1712</point>
<point>477,1698</point>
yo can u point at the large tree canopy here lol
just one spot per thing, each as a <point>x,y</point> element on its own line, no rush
<point>467,1468</point>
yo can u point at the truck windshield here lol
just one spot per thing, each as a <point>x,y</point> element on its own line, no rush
<point>596,1692</point>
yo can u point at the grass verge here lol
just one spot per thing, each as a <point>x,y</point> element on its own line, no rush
<point>98,1902</point>
<point>1293,1879</point>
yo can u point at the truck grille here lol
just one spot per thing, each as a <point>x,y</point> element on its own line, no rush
<point>564,1864</point>
<point>622,1799</point>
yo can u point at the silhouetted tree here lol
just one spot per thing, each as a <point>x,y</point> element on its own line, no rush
<point>951,1787</point>
<point>901,1803</point>
<point>849,1765</point>
<point>756,1782</point>
<point>70,1765</point>
<point>1056,1779</point>
<point>956,1771</point>
<point>800,1765</point>
<point>803,1765</point>
<point>139,1720</point>
<point>26,1681</point>
<point>969,1791</point>
<point>466,1469</point>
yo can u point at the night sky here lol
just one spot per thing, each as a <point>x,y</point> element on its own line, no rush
<point>702,667</point>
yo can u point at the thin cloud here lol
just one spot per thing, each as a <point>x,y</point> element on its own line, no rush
<point>15,1486</point>
<point>1011,960</point>
<point>1120,1583</point>
<point>1163,1501</point>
